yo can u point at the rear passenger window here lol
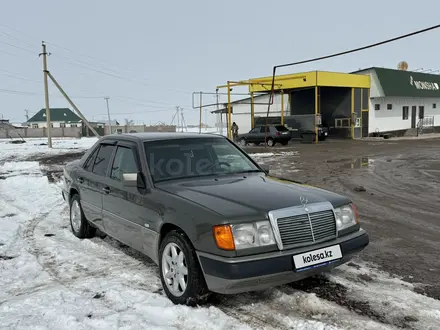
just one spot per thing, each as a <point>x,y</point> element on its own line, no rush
<point>88,166</point>
<point>102,159</point>
<point>125,162</point>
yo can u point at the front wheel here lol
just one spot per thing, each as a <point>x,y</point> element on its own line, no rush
<point>270,142</point>
<point>180,272</point>
<point>242,142</point>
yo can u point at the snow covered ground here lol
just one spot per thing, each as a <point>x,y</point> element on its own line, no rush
<point>51,280</point>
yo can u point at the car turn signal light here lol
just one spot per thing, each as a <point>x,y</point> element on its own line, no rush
<point>356,214</point>
<point>223,237</point>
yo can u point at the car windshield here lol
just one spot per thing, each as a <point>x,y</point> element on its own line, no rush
<point>281,128</point>
<point>195,157</point>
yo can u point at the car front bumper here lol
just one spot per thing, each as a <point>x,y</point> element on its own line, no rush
<point>259,272</point>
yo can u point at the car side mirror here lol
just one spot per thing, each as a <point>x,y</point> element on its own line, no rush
<point>133,180</point>
<point>265,168</point>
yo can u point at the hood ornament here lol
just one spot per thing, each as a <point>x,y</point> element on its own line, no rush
<point>304,202</point>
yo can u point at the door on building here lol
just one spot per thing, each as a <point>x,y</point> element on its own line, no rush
<point>413,116</point>
<point>364,123</point>
<point>421,112</point>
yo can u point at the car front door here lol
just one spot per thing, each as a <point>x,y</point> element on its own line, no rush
<point>90,183</point>
<point>127,211</point>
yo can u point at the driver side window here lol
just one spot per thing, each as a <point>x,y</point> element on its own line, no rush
<point>124,162</point>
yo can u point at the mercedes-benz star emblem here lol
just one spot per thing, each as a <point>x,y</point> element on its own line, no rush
<point>304,202</point>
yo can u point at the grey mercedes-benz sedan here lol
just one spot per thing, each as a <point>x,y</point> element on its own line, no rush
<point>209,216</point>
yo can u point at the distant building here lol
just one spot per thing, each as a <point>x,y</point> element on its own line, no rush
<point>59,117</point>
<point>402,101</point>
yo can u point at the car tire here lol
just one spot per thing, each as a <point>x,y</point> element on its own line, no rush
<point>81,228</point>
<point>242,142</point>
<point>195,291</point>
<point>270,142</point>
<point>285,143</point>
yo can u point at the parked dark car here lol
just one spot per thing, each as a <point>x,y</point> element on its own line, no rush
<point>206,213</point>
<point>257,135</point>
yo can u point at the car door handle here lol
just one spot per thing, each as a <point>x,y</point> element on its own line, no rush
<point>106,190</point>
<point>80,180</point>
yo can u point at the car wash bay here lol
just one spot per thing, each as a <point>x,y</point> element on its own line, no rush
<point>339,101</point>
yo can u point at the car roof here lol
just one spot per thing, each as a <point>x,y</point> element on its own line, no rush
<point>158,136</point>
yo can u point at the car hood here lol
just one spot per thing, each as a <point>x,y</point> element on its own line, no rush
<point>252,195</point>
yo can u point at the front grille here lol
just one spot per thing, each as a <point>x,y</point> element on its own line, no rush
<point>300,230</point>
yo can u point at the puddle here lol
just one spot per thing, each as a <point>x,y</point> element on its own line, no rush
<point>357,163</point>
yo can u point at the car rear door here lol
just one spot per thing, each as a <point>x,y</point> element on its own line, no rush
<point>89,182</point>
<point>127,211</point>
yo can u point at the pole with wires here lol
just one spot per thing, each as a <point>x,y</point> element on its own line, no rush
<point>46,96</point>
<point>108,114</point>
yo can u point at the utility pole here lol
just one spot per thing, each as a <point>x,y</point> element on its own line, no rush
<point>200,115</point>
<point>108,113</point>
<point>46,96</point>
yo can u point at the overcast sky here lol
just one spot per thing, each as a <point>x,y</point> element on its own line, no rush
<point>149,56</point>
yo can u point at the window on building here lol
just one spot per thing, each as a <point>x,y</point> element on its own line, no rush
<point>34,125</point>
<point>365,98</point>
<point>377,106</point>
<point>421,112</point>
<point>434,105</point>
<point>73,125</point>
<point>389,106</point>
<point>343,122</point>
<point>405,112</point>
<point>62,125</point>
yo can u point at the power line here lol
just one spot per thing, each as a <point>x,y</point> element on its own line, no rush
<point>82,63</point>
<point>361,48</point>
<point>18,47</point>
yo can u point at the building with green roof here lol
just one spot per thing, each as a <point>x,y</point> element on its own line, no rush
<point>59,117</point>
<point>402,102</point>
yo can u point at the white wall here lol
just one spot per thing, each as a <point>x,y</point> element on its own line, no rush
<point>391,120</point>
<point>242,111</point>
<point>55,124</point>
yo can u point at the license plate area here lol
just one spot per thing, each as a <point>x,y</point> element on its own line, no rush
<point>317,258</point>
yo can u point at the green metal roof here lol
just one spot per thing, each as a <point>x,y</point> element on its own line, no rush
<point>408,83</point>
<point>56,114</point>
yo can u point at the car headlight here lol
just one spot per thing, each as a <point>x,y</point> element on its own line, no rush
<point>252,235</point>
<point>244,236</point>
<point>346,216</point>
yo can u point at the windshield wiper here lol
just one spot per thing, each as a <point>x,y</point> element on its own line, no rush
<point>246,171</point>
<point>183,177</point>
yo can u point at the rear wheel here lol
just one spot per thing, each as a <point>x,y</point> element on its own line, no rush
<point>242,142</point>
<point>78,222</point>
<point>180,272</point>
<point>270,142</point>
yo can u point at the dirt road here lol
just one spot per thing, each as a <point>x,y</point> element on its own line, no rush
<point>396,186</point>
